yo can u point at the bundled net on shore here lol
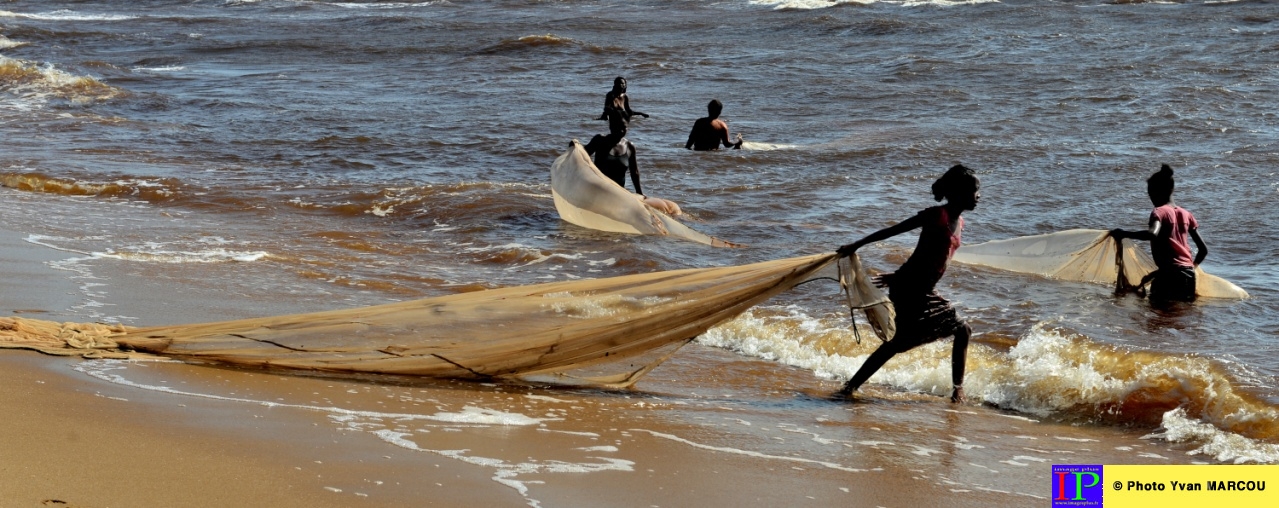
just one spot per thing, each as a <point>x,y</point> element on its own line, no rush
<point>1083,255</point>
<point>606,332</point>
<point>585,197</point>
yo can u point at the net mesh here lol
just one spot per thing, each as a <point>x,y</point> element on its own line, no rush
<point>1083,255</point>
<point>598,331</point>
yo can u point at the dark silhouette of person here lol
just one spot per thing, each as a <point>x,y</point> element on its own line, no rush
<point>613,154</point>
<point>923,316</point>
<point>710,131</point>
<point>616,99</point>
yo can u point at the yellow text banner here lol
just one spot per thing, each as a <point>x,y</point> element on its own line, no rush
<point>1191,486</point>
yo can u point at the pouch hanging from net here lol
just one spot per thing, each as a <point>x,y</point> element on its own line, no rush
<point>861,294</point>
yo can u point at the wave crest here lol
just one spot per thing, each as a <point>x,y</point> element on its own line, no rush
<point>7,43</point>
<point>153,191</point>
<point>540,42</point>
<point>1220,445</point>
<point>1049,372</point>
<point>32,81</point>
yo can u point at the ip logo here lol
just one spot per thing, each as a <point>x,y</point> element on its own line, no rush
<point>1076,485</point>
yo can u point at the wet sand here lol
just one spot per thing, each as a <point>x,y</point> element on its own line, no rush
<point>72,440</point>
<point>83,442</point>
<point>745,432</point>
<point>67,444</point>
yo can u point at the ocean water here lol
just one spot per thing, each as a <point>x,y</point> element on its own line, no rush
<point>286,156</point>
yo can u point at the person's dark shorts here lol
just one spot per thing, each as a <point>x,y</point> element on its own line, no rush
<point>1173,285</point>
<point>922,318</point>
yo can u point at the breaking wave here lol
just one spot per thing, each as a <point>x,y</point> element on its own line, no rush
<point>1049,372</point>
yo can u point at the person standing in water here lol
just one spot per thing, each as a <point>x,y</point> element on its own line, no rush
<point>709,131</point>
<point>923,316</point>
<point>1174,279</point>
<point>613,154</point>
<point>617,100</point>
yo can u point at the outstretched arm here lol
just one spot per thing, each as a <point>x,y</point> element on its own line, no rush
<point>1149,234</point>
<point>722,128</point>
<point>735,146</point>
<point>1200,246</point>
<point>883,234</point>
<point>1146,235</point>
<point>629,111</point>
<point>1121,234</point>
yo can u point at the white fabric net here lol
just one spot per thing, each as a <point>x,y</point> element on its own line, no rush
<point>585,197</point>
<point>1083,255</point>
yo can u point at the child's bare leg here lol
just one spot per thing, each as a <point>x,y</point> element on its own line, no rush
<point>869,368</point>
<point>959,357</point>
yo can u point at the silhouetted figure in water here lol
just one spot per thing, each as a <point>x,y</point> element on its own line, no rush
<point>1170,225</point>
<point>709,131</point>
<point>613,154</point>
<point>617,100</point>
<point>923,316</point>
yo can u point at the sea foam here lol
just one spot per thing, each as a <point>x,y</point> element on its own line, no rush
<point>1049,373</point>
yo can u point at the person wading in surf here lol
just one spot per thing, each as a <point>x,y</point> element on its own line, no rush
<point>613,154</point>
<point>1174,280</point>
<point>922,315</point>
<point>709,131</point>
<point>617,100</point>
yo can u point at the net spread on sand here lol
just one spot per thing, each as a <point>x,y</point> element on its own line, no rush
<point>606,332</point>
<point>599,331</point>
<point>1083,255</point>
<point>585,197</point>
<point>90,340</point>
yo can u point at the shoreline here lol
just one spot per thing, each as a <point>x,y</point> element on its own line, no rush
<point>33,289</point>
<point>78,442</point>
<point>65,445</point>
<point>83,442</point>
<point>128,432</point>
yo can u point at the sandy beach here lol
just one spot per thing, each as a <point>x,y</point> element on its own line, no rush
<point>68,444</point>
<point>73,442</point>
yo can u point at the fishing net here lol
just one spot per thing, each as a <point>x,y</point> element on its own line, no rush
<point>862,294</point>
<point>585,197</point>
<point>605,332</point>
<point>90,340</point>
<point>1083,255</point>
